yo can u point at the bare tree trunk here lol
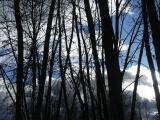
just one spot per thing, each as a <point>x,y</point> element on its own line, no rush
<point>68,49</point>
<point>112,62</point>
<point>62,69</point>
<point>37,114</point>
<point>88,73</point>
<point>81,76</point>
<point>33,53</point>
<point>48,96</point>
<point>20,92</point>
<point>101,90</point>
<point>155,28</point>
<point>149,56</point>
<point>134,96</point>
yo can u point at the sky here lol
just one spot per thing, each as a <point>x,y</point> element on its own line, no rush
<point>145,89</point>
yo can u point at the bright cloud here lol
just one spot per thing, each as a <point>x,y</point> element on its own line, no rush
<point>144,90</point>
<point>112,6</point>
<point>124,47</point>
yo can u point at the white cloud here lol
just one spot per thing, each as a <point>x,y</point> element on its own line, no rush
<point>144,90</point>
<point>124,47</point>
<point>112,7</point>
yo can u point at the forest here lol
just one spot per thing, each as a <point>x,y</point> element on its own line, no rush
<point>79,59</point>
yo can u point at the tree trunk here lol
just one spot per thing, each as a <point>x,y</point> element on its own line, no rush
<point>134,96</point>
<point>112,62</point>
<point>20,92</point>
<point>149,56</point>
<point>101,90</point>
<point>37,114</point>
<point>155,28</point>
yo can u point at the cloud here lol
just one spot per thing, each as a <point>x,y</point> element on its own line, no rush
<point>145,86</point>
<point>127,8</point>
<point>124,47</point>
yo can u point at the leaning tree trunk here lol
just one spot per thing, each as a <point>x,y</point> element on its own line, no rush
<point>155,28</point>
<point>134,96</point>
<point>149,56</point>
<point>101,90</point>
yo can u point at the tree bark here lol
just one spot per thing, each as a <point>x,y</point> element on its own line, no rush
<point>101,90</point>
<point>20,92</point>
<point>134,96</point>
<point>155,28</point>
<point>112,62</point>
<point>37,114</point>
<point>149,56</point>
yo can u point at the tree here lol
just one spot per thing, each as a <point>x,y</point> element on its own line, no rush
<point>37,114</point>
<point>112,62</point>
<point>19,94</point>
<point>149,55</point>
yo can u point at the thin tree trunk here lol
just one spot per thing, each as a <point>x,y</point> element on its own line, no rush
<point>155,28</point>
<point>81,76</point>
<point>37,114</point>
<point>134,96</point>
<point>149,56</point>
<point>62,69</point>
<point>48,97</point>
<point>101,93</point>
